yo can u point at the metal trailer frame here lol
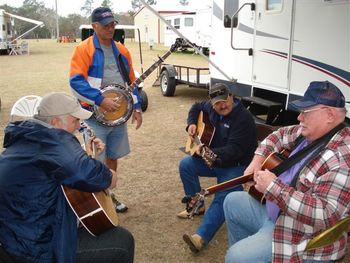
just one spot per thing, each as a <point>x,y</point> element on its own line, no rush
<point>169,76</point>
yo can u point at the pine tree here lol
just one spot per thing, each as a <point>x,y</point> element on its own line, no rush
<point>87,8</point>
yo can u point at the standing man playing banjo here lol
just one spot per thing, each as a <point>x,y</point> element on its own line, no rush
<point>97,62</point>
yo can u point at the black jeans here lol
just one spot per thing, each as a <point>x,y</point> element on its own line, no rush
<point>114,246</point>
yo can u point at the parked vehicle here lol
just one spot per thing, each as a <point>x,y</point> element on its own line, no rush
<point>169,76</point>
<point>195,26</point>
<point>7,32</point>
<point>273,49</point>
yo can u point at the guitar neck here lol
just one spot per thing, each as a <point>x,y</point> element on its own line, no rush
<point>150,70</point>
<point>229,184</point>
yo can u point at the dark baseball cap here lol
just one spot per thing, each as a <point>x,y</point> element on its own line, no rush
<point>320,92</point>
<point>219,92</point>
<point>102,15</point>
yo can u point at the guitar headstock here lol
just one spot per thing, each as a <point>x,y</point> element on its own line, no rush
<point>195,203</point>
<point>208,156</point>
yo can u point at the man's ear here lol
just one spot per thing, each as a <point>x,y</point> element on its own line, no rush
<point>331,115</point>
<point>56,122</point>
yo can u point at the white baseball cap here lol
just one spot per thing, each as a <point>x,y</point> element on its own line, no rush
<point>60,103</point>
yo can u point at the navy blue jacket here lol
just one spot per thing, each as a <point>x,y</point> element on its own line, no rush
<point>36,221</point>
<point>234,139</point>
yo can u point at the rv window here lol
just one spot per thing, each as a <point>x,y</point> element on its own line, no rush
<point>169,22</point>
<point>8,28</point>
<point>274,5</point>
<point>230,7</point>
<point>3,28</point>
<point>188,21</point>
<point>177,23</point>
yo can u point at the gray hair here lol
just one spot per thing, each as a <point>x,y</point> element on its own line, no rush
<point>63,118</point>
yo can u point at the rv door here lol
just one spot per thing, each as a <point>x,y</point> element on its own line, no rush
<point>272,44</point>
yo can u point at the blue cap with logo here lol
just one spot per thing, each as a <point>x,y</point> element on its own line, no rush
<point>320,92</point>
<point>102,15</point>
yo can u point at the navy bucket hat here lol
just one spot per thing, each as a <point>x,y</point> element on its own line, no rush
<point>102,15</point>
<point>320,92</point>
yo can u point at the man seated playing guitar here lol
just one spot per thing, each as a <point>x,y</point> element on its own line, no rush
<point>233,144</point>
<point>36,222</point>
<point>308,196</point>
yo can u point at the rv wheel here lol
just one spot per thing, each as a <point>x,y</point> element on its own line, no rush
<point>144,100</point>
<point>167,84</point>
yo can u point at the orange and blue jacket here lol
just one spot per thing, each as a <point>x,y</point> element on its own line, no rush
<point>86,71</point>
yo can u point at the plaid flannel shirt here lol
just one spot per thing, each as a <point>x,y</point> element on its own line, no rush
<point>320,198</point>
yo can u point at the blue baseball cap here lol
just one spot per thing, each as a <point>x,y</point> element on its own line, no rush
<point>320,92</point>
<point>102,15</point>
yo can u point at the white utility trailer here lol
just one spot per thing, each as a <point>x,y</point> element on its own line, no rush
<point>273,49</point>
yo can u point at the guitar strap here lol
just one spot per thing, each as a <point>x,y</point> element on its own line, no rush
<point>124,71</point>
<point>317,144</point>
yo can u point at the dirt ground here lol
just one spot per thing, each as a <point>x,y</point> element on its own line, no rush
<point>148,177</point>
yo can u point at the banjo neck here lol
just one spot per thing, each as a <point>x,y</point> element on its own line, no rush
<point>155,65</point>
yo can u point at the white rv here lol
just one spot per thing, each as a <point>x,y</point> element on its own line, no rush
<point>7,32</point>
<point>195,26</point>
<point>273,49</point>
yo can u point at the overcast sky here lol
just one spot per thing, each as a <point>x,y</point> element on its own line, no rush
<point>66,7</point>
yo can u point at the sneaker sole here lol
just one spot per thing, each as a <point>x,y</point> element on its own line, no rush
<point>188,241</point>
<point>122,210</point>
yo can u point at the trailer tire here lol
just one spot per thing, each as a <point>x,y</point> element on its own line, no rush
<point>167,84</point>
<point>144,100</point>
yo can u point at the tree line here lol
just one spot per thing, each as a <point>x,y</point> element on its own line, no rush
<point>69,25</point>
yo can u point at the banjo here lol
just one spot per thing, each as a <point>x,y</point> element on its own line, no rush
<point>123,95</point>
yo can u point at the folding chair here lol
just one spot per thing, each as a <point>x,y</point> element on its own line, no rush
<point>24,48</point>
<point>263,130</point>
<point>25,107</point>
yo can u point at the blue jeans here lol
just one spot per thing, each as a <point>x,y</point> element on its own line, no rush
<point>249,226</point>
<point>115,138</point>
<point>190,169</point>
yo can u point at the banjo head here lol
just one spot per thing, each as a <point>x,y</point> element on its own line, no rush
<point>125,106</point>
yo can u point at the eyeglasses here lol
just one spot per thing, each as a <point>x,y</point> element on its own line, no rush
<point>217,93</point>
<point>108,26</point>
<point>311,110</point>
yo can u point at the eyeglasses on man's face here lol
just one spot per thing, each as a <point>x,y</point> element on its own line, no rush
<point>304,112</point>
<point>108,26</point>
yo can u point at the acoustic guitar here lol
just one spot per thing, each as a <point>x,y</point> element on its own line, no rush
<point>270,162</point>
<point>202,138</point>
<point>95,211</point>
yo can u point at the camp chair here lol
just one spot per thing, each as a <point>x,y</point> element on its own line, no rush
<point>24,48</point>
<point>263,130</point>
<point>25,107</point>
